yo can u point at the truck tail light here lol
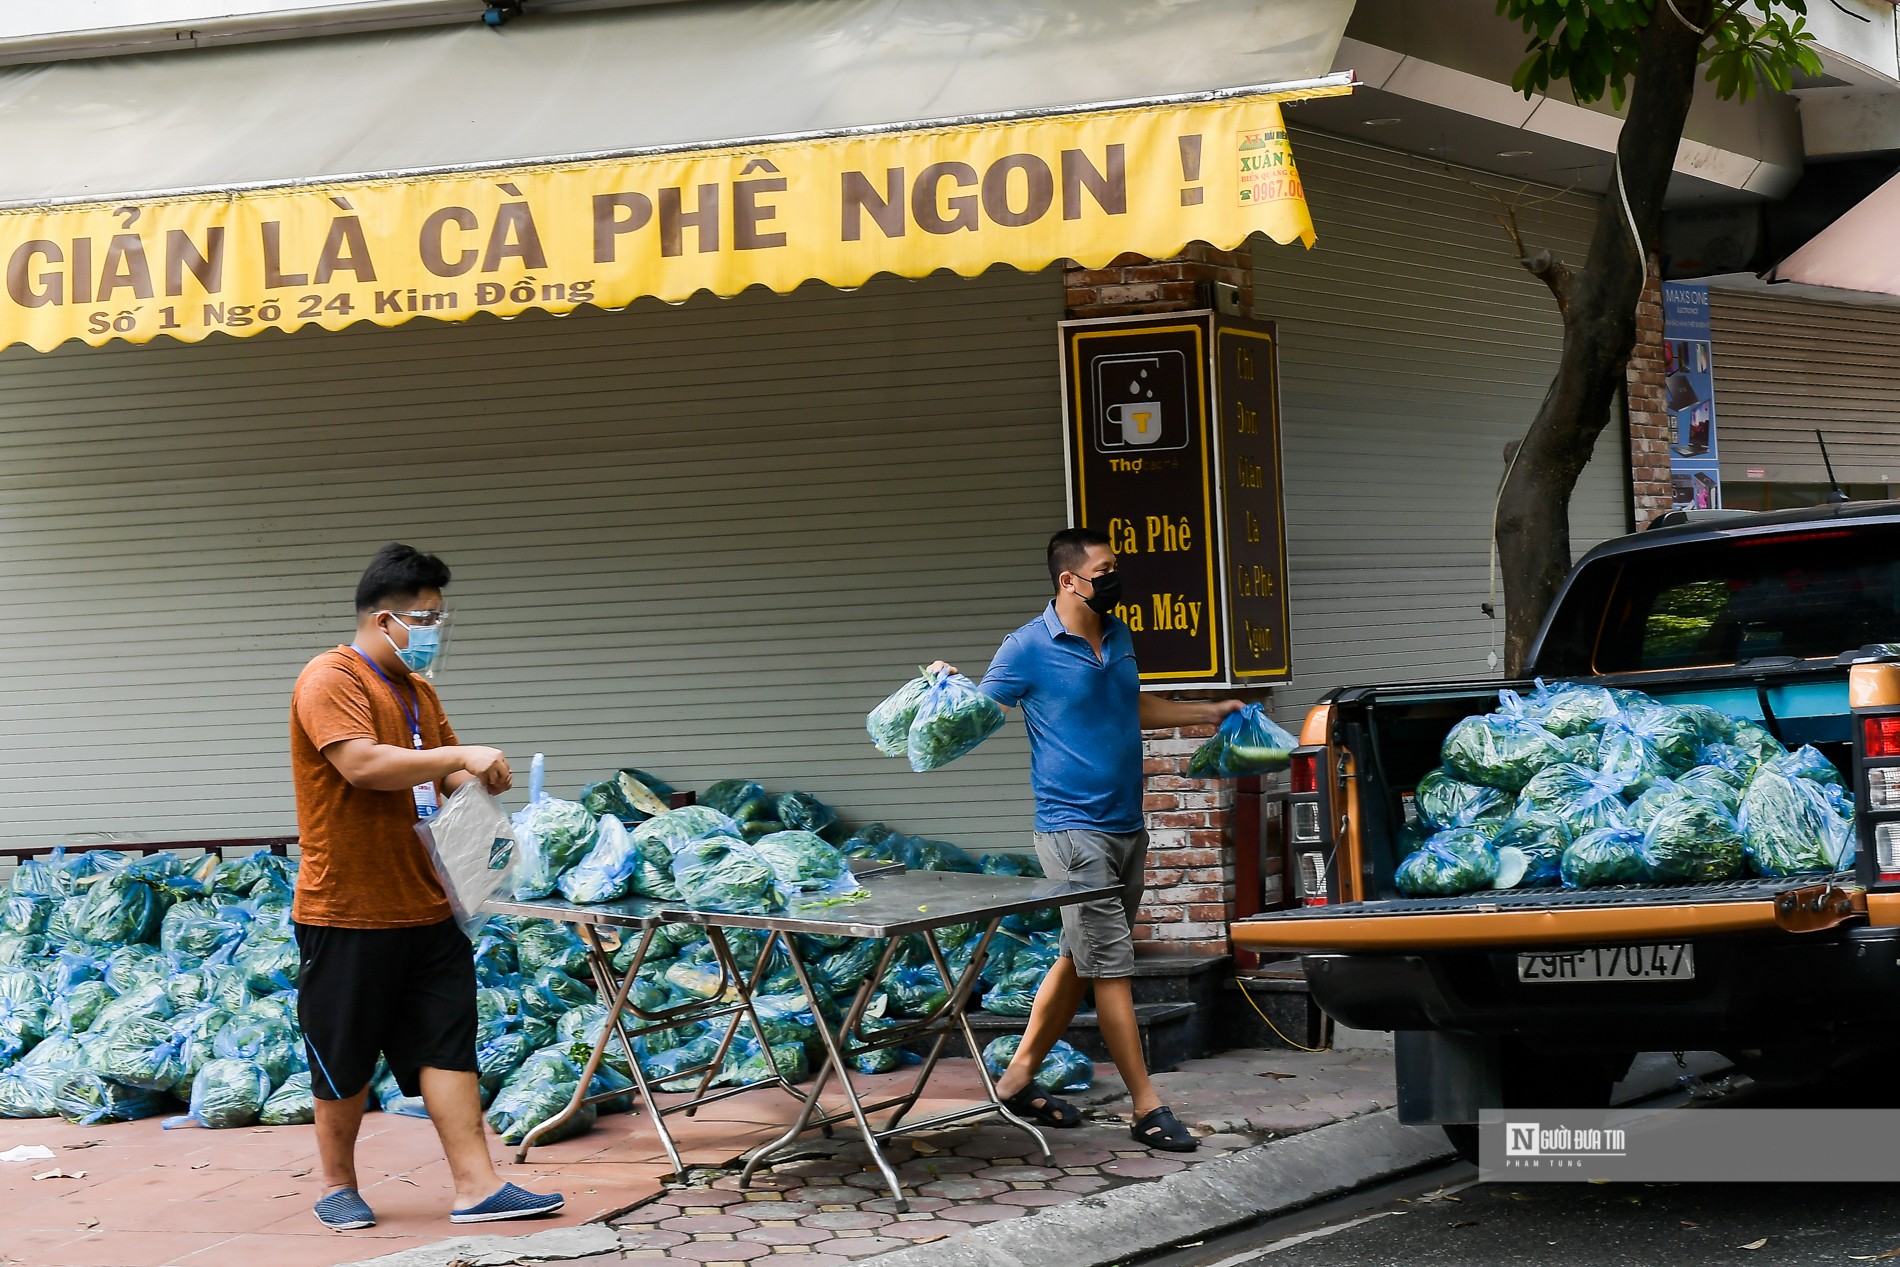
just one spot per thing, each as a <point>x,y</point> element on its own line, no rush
<point>1303,773</point>
<point>1303,823</point>
<point>1883,788</point>
<point>1882,736</point>
<point>1887,851</point>
<point>1312,878</point>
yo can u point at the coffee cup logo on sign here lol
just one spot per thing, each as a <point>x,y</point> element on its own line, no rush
<point>1142,401</point>
<point>1140,421</point>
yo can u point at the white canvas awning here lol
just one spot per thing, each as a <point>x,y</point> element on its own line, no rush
<point>617,82</point>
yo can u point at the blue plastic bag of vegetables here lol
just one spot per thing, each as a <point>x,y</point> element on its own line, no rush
<point>1444,801</point>
<point>606,872</point>
<point>1789,826</point>
<point>553,835</point>
<point>1606,856</point>
<point>1583,798</point>
<point>1246,743</point>
<point>1452,862</point>
<point>952,718</point>
<point>806,864</point>
<point>1063,1071</point>
<point>725,873</point>
<point>1692,841</point>
<point>890,722</point>
<point>1500,752</point>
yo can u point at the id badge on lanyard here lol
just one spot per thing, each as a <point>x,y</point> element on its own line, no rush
<point>427,804</point>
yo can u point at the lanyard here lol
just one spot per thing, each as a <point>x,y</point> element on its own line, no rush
<point>411,709</point>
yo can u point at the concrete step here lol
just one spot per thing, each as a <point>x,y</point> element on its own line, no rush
<point>1277,990</point>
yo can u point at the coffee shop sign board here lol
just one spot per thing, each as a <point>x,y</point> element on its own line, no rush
<point>1172,441</point>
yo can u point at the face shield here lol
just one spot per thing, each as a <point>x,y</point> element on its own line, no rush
<point>428,641</point>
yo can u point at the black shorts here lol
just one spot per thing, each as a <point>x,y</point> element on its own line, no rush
<point>406,994</point>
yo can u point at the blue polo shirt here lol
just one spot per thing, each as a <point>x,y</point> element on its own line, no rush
<point>1084,722</point>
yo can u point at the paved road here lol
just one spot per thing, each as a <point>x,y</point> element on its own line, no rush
<point>1448,1217</point>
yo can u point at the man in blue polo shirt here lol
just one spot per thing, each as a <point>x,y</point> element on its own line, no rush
<point>1072,671</point>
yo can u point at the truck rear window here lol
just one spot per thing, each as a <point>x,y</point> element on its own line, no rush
<point>1812,595</point>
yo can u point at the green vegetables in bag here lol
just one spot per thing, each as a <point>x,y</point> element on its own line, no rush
<point>1456,861</point>
<point>1444,802</point>
<point>117,910</point>
<point>226,1094</point>
<point>1539,838</point>
<point>1790,827</point>
<point>724,873</point>
<point>1063,1071</point>
<point>86,1099</point>
<point>1500,752</point>
<point>1246,743</point>
<point>889,723</point>
<point>292,1104</point>
<point>553,835</point>
<point>728,795</point>
<point>537,1091</point>
<point>1692,841</point>
<point>804,863</point>
<point>628,795</point>
<point>953,718</point>
<point>1606,856</point>
<point>1583,798</point>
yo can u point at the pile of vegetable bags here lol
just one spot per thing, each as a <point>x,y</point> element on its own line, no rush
<point>1586,786</point>
<point>130,987</point>
<point>134,987</point>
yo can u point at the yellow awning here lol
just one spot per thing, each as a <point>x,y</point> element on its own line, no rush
<point>1026,190</point>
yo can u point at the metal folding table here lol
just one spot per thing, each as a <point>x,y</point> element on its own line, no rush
<point>897,904</point>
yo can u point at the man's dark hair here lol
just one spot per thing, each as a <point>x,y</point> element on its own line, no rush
<point>1069,548</point>
<point>399,571</point>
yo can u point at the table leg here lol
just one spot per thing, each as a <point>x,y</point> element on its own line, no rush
<point>834,1059</point>
<point>603,970</point>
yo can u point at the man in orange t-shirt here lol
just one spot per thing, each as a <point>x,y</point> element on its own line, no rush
<point>384,969</point>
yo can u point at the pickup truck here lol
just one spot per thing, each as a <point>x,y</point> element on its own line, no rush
<point>1541,997</point>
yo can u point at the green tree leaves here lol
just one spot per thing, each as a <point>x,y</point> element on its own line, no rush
<point>1591,45</point>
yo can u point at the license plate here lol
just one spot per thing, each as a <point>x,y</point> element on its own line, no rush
<point>1672,962</point>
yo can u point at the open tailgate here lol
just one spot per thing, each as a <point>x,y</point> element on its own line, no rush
<point>1541,917</point>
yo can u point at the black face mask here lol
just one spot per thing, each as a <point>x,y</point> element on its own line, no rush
<point>1107,592</point>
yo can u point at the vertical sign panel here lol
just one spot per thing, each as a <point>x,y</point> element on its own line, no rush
<point>1142,469</point>
<point>1247,393</point>
<point>1689,384</point>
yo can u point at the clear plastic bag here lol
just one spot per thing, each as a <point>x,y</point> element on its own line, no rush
<point>226,1094</point>
<point>1693,841</point>
<point>1790,827</point>
<point>1606,856</point>
<point>1064,1071</point>
<point>551,836</point>
<point>473,845</point>
<point>953,718</point>
<point>1500,752</point>
<point>606,873</point>
<point>805,863</point>
<point>1444,801</point>
<point>1583,798</point>
<point>1456,861</point>
<point>889,723</point>
<point>1538,838</point>
<point>1246,743</point>
<point>293,1104</point>
<point>724,873</point>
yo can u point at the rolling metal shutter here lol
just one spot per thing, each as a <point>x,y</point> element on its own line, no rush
<point>702,540</point>
<point>1413,349</point>
<point>1784,366</point>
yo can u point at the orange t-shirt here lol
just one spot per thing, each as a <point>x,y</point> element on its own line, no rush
<point>363,864</point>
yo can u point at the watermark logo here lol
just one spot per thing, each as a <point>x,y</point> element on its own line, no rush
<point>1532,1145</point>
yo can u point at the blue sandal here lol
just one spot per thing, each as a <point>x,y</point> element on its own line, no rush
<point>345,1211</point>
<point>510,1203</point>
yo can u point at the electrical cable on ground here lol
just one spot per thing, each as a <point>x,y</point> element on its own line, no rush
<point>1247,994</point>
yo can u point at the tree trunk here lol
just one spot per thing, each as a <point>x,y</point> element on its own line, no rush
<point>1599,313</point>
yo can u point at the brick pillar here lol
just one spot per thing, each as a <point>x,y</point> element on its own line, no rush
<point>1190,821</point>
<point>1649,407</point>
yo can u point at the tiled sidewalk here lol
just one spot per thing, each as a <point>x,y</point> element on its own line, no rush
<point>830,1206</point>
<point>194,1198</point>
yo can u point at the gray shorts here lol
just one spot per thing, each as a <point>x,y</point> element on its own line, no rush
<point>1098,935</point>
